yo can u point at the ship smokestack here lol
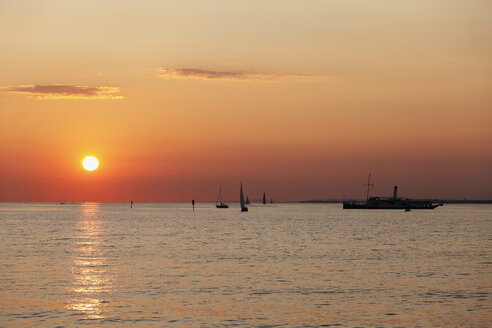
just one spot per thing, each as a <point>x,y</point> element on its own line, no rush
<point>395,192</point>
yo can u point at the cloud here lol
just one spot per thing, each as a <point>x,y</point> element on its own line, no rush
<point>65,91</point>
<point>198,73</point>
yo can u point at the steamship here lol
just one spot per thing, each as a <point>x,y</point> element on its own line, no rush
<point>391,203</point>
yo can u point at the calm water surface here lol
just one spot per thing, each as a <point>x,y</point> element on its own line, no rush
<point>280,265</point>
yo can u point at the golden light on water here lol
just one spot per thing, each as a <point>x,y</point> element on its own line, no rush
<point>90,163</point>
<point>91,282</point>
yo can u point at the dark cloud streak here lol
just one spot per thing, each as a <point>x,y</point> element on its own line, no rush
<point>198,73</point>
<point>65,91</point>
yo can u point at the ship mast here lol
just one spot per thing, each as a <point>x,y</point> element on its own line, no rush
<point>369,185</point>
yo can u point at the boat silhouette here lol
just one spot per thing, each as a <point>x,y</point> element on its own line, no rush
<point>391,203</point>
<point>219,203</point>
<point>241,200</point>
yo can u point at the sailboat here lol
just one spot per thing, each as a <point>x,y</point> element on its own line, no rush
<point>219,203</point>
<point>247,200</point>
<point>241,200</point>
<point>264,198</point>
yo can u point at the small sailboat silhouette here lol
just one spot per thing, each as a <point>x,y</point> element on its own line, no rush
<point>219,203</point>
<point>264,198</point>
<point>247,200</point>
<point>241,200</point>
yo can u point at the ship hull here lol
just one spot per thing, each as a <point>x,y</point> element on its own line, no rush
<point>365,206</point>
<point>392,203</point>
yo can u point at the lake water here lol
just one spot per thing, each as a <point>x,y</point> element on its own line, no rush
<point>278,265</point>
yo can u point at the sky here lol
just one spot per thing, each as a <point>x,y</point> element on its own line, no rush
<point>298,99</point>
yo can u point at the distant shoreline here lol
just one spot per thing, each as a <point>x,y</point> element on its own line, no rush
<point>313,201</point>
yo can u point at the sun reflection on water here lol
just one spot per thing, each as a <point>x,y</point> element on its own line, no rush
<point>91,279</point>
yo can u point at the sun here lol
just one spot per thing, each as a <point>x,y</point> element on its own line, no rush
<point>90,163</point>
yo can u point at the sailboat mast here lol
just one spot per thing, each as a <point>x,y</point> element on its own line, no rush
<point>219,195</point>
<point>241,197</point>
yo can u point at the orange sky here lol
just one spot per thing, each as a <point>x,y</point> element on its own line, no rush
<point>297,98</point>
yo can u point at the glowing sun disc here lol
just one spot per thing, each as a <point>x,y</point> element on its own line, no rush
<point>90,163</point>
